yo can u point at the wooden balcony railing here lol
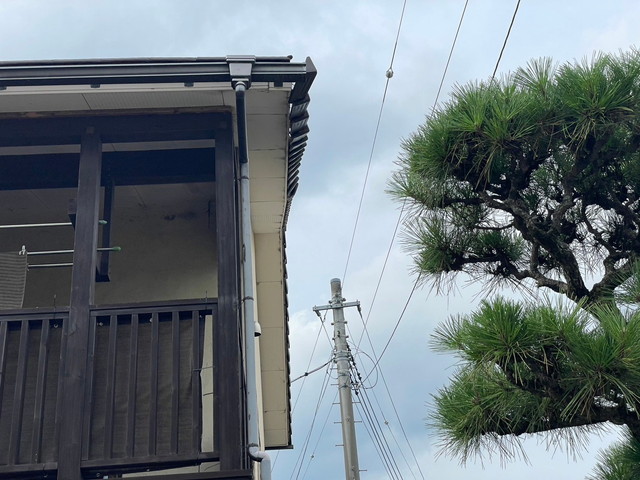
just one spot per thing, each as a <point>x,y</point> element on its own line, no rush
<point>143,401</point>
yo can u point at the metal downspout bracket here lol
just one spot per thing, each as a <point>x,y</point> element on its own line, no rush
<point>240,67</point>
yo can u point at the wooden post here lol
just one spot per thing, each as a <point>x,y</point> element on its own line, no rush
<point>76,329</point>
<point>229,409</point>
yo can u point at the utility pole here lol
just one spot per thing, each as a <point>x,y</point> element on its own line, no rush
<point>342,359</point>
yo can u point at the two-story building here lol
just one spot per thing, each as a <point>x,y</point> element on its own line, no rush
<point>143,301</point>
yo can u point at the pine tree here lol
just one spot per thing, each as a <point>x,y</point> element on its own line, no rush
<point>533,180</point>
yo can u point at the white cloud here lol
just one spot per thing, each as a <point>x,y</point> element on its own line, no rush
<point>351,44</point>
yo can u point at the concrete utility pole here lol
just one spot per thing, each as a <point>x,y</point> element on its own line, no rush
<point>342,358</point>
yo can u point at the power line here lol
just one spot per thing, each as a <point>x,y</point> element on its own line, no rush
<point>303,451</point>
<point>295,403</point>
<point>359,385</point>
<point>389,74</point>
<point>324,425</point>
<point>395,230</point>
<point>513,18</point>
<point>306,374</point>
<point>365,321</point>
<point>395,328</point>
<point>446,67</point>
<point>395,411</point>
<point>378,435</point>
<point>404,433</point>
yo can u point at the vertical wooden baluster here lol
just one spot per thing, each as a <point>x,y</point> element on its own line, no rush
<point>111,387</point>
<point>153,394</point>
<point>38,409</point>
<point>18,394</point>
<point>88,393</point>
<point>196,424</point>
<point>131,391</point>
<point>175,379</point>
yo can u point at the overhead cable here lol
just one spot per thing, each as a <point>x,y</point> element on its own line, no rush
<point>506,38</point>
<point>395,328</point>
<point>389,74</point>
<point>377,435</point>
<point>303,451</point>
<point>295,403</point>
<point>324,425</point>
<point>306,374</point>
<point>395,230</point>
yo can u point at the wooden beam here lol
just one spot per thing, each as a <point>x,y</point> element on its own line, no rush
<point>229,411</point>
<point>125,168</point>
<point>76,329</point>
<point>38,409</point>
<point>113,129</point>
<point>18,396</point>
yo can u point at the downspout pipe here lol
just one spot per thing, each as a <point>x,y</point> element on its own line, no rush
<point>252,328</point>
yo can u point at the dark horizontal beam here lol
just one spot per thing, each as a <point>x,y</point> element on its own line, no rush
<point>225,475</point>
<point>150,71</point>
<point>125,464</point>
<point>160,306</point>
<point>28,470</point>
<point>125,168</point>
<point>112,129</point>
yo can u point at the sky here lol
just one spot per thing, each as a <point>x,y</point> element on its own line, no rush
<point>351,44</point>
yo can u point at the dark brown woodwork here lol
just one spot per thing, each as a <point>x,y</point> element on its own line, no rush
<point>196,368</point>
<point>153,398</point>
<point>143,464</point>
<point>120,407</point>
<point>113,129</point>
<point>38,413</point>
<point>111,387</point>
<point>76,329</point>
<point>40,331</point>
<point>18,396</point>
<point>131,391</point>
<point>3,356</point>
<point>229,408</point>
<point>88,391</point>
<point>175,379</point>
<point>237,475</point>
<point>127,168</point>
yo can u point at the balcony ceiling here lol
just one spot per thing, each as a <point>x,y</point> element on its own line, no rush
<point>268,123</point>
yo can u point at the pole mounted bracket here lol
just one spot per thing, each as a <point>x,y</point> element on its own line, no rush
<point>240,67</point>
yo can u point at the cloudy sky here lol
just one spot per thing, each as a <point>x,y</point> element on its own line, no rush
<point>351,44</point>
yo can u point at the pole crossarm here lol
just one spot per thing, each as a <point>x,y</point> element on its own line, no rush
<point>333,306</point>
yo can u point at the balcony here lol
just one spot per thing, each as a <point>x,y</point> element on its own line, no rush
<point>148,396</point>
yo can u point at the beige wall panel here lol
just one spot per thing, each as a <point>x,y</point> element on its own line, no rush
<point>270,304</point>
<point>268,257</point>
<point>276,438</point>
<point>267,163</point>
<point>267,217</point>
<point>274,392</point>
<point>266,132</point>
<point>187,97</point>
<point>272,341</point>
<point>267,189</point>
<point>42,103</point>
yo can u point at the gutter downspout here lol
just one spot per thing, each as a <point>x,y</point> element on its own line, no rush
<point>252,328</point>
